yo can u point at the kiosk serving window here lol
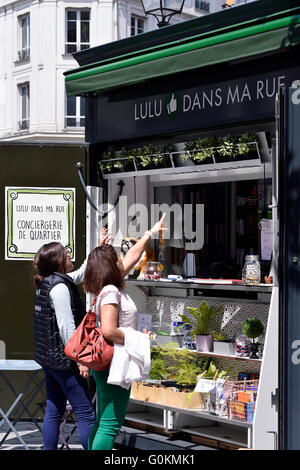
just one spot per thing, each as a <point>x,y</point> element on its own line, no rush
<point>213,226</point>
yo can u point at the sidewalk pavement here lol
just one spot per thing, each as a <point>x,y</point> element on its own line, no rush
<point>128,438</point>
<point>33,438</point>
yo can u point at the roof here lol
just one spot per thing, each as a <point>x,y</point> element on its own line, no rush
<point>265,26</point>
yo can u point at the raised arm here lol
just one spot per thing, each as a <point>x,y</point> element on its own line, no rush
<point>78,275</point>
<point>135,252</point>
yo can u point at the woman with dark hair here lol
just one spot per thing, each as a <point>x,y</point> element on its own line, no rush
<point>58,311</point>
<point>104,277</point>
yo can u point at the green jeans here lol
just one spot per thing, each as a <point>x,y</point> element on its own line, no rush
<point>112,403</point>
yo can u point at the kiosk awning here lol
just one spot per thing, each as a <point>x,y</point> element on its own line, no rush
<point>246,41</point>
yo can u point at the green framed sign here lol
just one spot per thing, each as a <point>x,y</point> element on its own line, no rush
<point>35,216</point>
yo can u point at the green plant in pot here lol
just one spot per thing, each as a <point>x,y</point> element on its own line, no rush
<point>200,320</point>
<point>247,145</point>
<point>253,328</point>
<point>223,345</point>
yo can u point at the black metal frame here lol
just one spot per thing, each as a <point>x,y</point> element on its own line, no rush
<point>163,18</point>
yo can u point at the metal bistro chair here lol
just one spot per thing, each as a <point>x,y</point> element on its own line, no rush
<point>67,419</point>
<point>68,416</point>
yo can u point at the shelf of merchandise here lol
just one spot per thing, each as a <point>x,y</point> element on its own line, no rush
<point>266,288</point>
<point>257,435</point>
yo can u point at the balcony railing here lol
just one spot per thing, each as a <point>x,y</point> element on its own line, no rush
<point>71,47</point>
<point>23,124</point>
<point>201,5</point>
<point>24,53</point>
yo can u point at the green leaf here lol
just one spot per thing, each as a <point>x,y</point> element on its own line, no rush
<point>211,370</point>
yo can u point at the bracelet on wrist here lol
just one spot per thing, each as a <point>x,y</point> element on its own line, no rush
<point>149,233</point>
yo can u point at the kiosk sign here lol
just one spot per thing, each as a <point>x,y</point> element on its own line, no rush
<point>35,216</point>
<point>144,111</point>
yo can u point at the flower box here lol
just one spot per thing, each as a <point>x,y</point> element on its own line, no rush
<point>152,162</point>
<point>190,158</point>
<point>117,165</point>
<point>236,153</point>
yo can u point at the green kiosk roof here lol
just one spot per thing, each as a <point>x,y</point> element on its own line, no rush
<point>257,28</point>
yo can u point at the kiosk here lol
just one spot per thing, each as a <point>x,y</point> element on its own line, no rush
<point>200,119</point>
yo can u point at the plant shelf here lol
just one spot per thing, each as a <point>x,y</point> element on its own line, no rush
<point>178,162</point>
<point>227,356</point>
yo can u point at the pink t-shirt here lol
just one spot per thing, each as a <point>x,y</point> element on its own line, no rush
<point>127,310</point>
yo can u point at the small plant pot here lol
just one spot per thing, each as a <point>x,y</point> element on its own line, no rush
<point>253,348</point>
<point>204,343</point>
<point>224,347</point>
<point>164,162</point>
<point>206,161</point>
<point>219,158</point>
<point>182,159</point>
<point>117,165</point>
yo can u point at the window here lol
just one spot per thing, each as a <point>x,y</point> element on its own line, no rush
<point>77,30</point>
<point>201,5</point>
<point>137,25</point>
<point>75,111</point>
<point>227,230</point>
<point>24,41</point>
<point>24,106</point>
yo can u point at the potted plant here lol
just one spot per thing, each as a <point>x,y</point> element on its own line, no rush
<point>201,319</point>
<point>197,152</point>
<point>116,162</point>
<point>253,328</point>
<point>228,149</point>
<point>152,157</point>
<point>223,345</point>
<point>236,148</point>
<point>248,146</point>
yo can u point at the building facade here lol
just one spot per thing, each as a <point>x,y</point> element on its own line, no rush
<point>37,39</point>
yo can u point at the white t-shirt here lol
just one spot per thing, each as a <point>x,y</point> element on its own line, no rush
<point>127,309</point>
<point>61,303</point>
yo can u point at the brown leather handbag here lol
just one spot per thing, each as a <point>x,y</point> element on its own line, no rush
<point>87,345</point>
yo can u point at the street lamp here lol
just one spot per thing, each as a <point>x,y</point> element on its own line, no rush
<point>163,10</point>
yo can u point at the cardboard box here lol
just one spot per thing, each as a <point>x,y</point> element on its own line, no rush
<point>166,396</point>
<point>182,399</point>
<point>145,392</point>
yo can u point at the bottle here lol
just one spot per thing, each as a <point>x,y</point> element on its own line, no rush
<point>162,255</point>
<point>251,271</point>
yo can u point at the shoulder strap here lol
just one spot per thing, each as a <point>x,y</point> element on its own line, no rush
<point>94,302</point>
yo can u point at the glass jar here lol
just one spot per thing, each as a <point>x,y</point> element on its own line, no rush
<point>187,341</point>
<point>153,270</point>
<point>251,270</point>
